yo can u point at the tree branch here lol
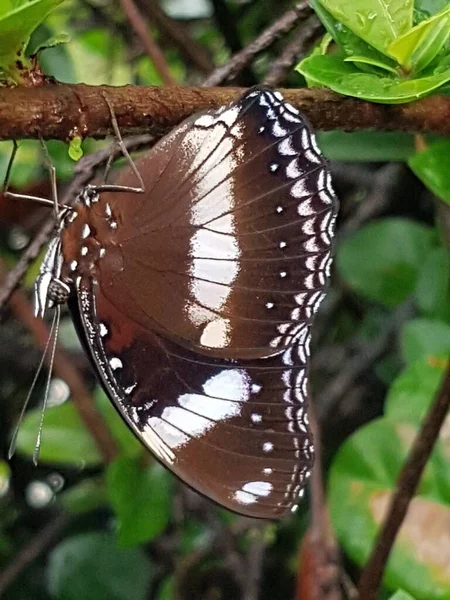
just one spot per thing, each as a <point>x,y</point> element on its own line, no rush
<point>150,46</point>
<point>303,39</point>
<point>407,483</point>
<point>64,111</point>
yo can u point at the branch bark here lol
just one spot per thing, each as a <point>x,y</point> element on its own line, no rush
<point>64,111</point>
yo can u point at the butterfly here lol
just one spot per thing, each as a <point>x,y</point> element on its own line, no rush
<point>195,298</point>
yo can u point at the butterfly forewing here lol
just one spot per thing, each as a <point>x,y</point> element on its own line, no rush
<point>235,228</point>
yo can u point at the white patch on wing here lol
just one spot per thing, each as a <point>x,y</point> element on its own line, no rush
<point>216,334</point>
<point>252,491</point>
<point>215,159</point>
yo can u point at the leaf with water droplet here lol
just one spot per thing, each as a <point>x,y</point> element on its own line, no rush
<point>345,78</point>
<point>377,22</point>
<point>351,44</point>
<point>420,45</point>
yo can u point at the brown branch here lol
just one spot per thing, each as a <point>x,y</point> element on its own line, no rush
<point>240,60</point>
<point>177,34</point>
<point>84,172</point>
<point>36,546</point>
<point>293,51</point>
<point>407,483</point>
<point>318,574</point>
<point>64,111</point>
<point>150,46</point>
<point>64,369</point>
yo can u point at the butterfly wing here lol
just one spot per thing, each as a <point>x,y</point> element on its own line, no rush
<point>236,431</point>
<point>228,250</point>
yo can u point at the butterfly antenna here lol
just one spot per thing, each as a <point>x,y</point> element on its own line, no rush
<point>13,444</point>
<point>38,199</point>
<point>119,141</point>
<point>54,337</point>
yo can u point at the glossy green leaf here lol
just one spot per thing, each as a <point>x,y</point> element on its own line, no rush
<point>378,22</point>
<point>433,286</point>
<point>432,167</point>
<point>382,261</point>
<point>366,146</point>
<point>65,439</point>
<point>364,60</point>
<point>345,78</point>
<point>90,566</point>
<point>53,42</point>
<point>362,479</point>
<point>425,338</point>
<point>420,45</point>
<point>351,44</point>
<point>85,496</point>
<point>141,498</point>
<point>16,27</point>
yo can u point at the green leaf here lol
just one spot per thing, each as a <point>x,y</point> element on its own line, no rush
<point>366,146</point>
<point>372,62</point>
<point>75,149</point>
<point>16,27</point>
<point>401,595</point>
<point>432,167</point>
<point>5,476</point>
<point>91,567</point>
<point>351,44</point>
<point>85,496</point>
<point>430,7</point>
<point>433,286</point>
<point>378,22</point>
<point>413,391</point>
<point>345,78</point>
<point>141,498</point>
<point>425,338</point>
<point>362,480</point>
<point>53,42</point>
<point>415,49</point>
<point>382,260</point>
<point>65,439</point>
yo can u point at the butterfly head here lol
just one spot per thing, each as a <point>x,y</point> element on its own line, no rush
<point>49,289</point>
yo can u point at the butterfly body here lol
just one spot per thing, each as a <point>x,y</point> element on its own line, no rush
<point>195,299</point>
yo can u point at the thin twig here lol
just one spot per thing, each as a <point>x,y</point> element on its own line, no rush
<point>293,51</point>
<point>150,46</point>
<point>280,27</point>
<point>36,546</point>
<point>64,368</point>
<point>84,172</point>
<point>177,34</point>
<point>407,483</point>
